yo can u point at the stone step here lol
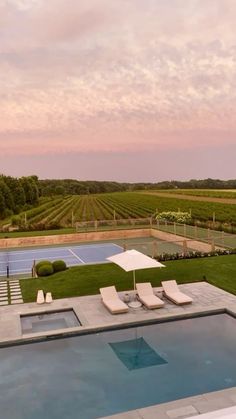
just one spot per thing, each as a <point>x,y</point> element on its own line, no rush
<point>15,293</point>
<point>18,301</point>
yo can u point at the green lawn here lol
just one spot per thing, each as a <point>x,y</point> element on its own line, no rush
<point>14,234</point>
<point>86,280</point>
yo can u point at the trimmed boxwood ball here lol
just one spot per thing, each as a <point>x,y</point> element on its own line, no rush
<point>59,265</point>
<point>42,263</point>
<point>45,270</point>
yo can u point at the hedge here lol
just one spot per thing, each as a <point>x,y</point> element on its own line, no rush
<point>45,270</point>
<point>59,265</point>
<point>42,263</point>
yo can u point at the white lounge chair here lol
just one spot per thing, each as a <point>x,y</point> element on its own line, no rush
<point>48,298</point>
<point>147,296</point>
<point>172,292</point>
<point>40,297</point>
<point>112,301</point>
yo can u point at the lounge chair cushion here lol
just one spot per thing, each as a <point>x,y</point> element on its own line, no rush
<point>147,297</point>
<point>115,306</point>
<point>172,292</point>
<point>151,301</point>
<point>179,297</point>
<point>112,301</point>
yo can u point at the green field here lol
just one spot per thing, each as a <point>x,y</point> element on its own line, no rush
<point>86,280</point>
<point>65,211</point>
<point>210,193</point>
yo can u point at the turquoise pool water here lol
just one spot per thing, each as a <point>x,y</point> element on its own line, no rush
<point>92,376</point>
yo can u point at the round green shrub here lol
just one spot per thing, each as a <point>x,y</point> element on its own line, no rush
<point>45,270</point>
<point>59,265</point>
<point>42,263</point>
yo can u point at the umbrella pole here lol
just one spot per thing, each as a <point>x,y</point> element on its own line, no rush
<point>135,303</point>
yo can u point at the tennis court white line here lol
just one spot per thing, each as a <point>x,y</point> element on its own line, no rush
<point>117,245</point>
<point>57,249</point>
<point>39,250</point>
<point>75,255</point>
<point>85,246</point>
<point>31,260</point>
<point>15,272</point>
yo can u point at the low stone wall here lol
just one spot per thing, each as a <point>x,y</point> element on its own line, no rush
<point>102,236</point>
<point>73,238</point>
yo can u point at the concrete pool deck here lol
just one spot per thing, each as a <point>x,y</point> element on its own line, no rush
<point>207,299</point>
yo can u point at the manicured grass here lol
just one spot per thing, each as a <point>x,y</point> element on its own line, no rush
<point>37,233</point>
<point>86,280</point>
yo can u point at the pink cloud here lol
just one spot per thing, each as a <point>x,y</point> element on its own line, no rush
<point>103,75</point>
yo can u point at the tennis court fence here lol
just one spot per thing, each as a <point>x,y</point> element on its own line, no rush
<point>206,235</point>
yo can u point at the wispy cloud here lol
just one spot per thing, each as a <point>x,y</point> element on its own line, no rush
<point>107,76</point>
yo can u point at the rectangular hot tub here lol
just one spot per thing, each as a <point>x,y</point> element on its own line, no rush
<point>50,320</point>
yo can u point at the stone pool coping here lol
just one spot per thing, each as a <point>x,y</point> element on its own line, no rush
<point>184,408</point>
<point>94,317</point>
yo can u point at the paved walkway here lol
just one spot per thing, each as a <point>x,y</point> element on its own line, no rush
<point>15,292</point>
<point>3,293</point>
<point>10,292</point>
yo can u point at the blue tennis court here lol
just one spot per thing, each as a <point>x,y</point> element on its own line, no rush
<point>21,261</point>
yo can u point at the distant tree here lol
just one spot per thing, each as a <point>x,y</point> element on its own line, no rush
<point>59,190</point>
<point>30,189</point>
<point>6,192</point>
<point>2,206</point>
<point>17,192</point>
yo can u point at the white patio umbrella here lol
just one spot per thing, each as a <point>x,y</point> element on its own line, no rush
<point>132,260</point>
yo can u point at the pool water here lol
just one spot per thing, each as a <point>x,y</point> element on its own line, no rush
<point>86,376</point>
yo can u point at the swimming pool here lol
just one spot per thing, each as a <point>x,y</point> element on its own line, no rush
<point>88,376</point>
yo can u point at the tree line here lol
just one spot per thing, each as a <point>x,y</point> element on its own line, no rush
<point>17,194</point>
<point>75,187</point>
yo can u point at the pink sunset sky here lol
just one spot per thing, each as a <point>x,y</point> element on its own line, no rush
<point>127,90</point>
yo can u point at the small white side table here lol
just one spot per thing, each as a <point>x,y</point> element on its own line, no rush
<point>135,304</point>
